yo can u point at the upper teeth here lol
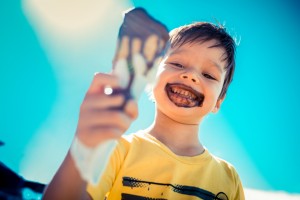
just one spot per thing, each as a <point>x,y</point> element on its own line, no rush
<point>184,92</point>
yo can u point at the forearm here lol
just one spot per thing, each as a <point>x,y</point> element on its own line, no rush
<point>97,123</point>
<point>67,183</point>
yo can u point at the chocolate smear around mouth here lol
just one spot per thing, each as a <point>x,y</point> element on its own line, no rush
<point>184,96</point>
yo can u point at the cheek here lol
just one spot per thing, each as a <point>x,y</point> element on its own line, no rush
<point>213,91</point>
<point>158,88</point>
<point>160,70</point>
<point>221,85</point>
<point>161,76</point>
<point>218,90</point>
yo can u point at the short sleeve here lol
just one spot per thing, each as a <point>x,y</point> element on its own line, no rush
<point>239,192</point>
<point>99,191</point>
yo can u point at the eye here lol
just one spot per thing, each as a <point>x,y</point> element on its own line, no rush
<point>209,76</point>
<point>177,65</point>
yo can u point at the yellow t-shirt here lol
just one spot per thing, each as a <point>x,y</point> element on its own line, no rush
<point>142,167</point>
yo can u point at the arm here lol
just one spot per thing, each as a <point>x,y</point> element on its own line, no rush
<point>67,183</point>
<point>97,123</point>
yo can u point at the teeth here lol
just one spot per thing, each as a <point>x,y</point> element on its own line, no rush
<point>188,94</point>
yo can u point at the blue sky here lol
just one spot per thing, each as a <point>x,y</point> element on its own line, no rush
<point>44,76</point>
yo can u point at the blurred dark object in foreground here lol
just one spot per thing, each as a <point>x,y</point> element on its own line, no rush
<point>12,185</point>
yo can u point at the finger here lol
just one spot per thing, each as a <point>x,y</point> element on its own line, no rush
<point>131,109</point>
<point>101,101</point>
<point>100,81</point>
<point>106,118</point>
<point>99,134</point>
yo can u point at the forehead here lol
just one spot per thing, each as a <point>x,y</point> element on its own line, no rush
<point>203,50</point>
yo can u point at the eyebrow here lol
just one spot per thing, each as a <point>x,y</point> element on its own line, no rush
<point>217,66</point>
<point>214,64</point>
<point>176,51</point>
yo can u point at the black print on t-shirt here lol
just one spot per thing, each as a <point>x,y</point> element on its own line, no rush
<point>181,189</point>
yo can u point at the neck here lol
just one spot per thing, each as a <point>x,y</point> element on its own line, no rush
<point>180,138</point>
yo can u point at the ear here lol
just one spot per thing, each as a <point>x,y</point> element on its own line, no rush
<point>218,105</point>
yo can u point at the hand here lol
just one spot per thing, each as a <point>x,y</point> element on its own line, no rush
<point>98,120</point>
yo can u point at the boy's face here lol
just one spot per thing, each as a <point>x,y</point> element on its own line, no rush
<point>189,82</point>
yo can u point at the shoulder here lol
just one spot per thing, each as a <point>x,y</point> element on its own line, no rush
<point>222,162</point>
<point>127,141</point>
<point>228,173</point>
<point>226,167</point>
<point>132,138</point>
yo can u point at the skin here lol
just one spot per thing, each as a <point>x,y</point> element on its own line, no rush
<point>189,65</point>
<point>201,68</point>
<point>97,123</point>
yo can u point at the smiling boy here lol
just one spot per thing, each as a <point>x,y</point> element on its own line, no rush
<point>167,160</point>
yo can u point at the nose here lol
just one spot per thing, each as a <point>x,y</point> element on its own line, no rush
<point>192,76</point>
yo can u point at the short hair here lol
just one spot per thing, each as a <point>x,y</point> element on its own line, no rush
<point>203,32</point>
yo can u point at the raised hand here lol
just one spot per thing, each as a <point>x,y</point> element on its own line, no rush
<point>98,120</point>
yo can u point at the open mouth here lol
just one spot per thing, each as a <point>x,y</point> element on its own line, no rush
<point>184,96</point>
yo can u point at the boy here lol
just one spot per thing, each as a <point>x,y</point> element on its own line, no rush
<point>167,160</point>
